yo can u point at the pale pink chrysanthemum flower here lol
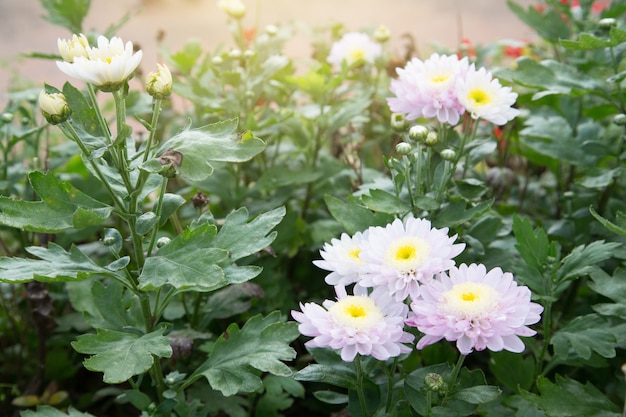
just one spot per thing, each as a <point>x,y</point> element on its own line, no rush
<point>475,308</point>
<point>354,47</point>
<point>403,255</point>
<point>370,325</point>
<point>428,88</point>
<point>106,66</point>
<point>341,257</point>
<point>484,98</point>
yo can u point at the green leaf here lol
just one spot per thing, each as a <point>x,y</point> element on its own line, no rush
<point>582,260</point>
<point>583,335</point>
<point>533,244</point>
<point>61,207</point>
<point>460,212</point>
<point>384,202</point>
<point>570,398</point>
<point>122,355</point>
<point>512,370</point>
<point>239,355</point>
<point>47,411</point>
<point>67,13</point>
<point>477,395</point>
<point>549,23</point>
<point>242,238</point>
<point>353,216</point>
<point>215,142</point>
<point>54,265</point>
<point>188,262</point>
<point>619,228</point>
<point>585,41</point>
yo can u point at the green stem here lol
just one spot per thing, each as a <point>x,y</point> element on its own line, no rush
<point>156,112</point>
<point>359,383</point>
<point>390,374</point>
<point>157,212</point>
<point>104,126</point>
<point>119,148</point>
<point>455,372</point>
<point>547,324</point>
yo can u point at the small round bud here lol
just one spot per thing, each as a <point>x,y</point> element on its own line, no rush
<point>234,54</point>
<point>434,382</point>
<point>448,154</point>
<point>418,133</point>
<point>159,84</point>
<point>271,30</point>
<point>382,34</point>
<point>217,60</point>
<point>233,8</point>
<point>249,53</point>
<point>54,107</point>
<point>607,23</point>
<point>403,148</point>
<point>399,122</point>
<point>431,139</point>
<point>162,241</point>
<point>620,119</point>
<point>108,241</point>
<point>6,117</point>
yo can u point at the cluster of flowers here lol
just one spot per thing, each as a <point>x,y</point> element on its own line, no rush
<point>410,264</point>
<point>445,87</point>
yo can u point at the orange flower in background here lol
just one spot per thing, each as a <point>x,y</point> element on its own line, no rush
<point>249,34</point>
<point>466,48</point>
<point>513,51</point>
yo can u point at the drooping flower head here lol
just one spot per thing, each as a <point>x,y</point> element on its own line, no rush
<point>428,88</point>
<point>70,49</point>
<point>106,66</point>
<point>484,98</point>
<point>477,309</point>
<point>356,324</point>
<point>354,47</point>
<point>403,255</point>
<point>341,257</point>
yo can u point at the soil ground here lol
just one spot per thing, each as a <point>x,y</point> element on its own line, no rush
<point>429,22</point>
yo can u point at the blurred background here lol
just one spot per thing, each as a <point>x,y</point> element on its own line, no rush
<point>170,23</point>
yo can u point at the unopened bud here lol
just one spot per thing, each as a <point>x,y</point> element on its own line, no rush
<point>54,107</point>
<point>271,30</point>
<point>620,119</point>
<point>403,148</point>
<point>159,84</point>
<point>6,117</point>
<point>431,139</point>
<point>217,60</point>
<point>382,34</point>
<point>434,382</point>
<point>249,53</point>
<point>235,54</point>
<point>233,8</point>
<point>418,133</point>
<point>448,154</point>
<point>162,241</point>
<point>607,23</point>
<point>399,122</point>
<point>108,241</point>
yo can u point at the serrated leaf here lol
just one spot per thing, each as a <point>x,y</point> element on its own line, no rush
<point>384,202</point>
<point>188,262</point>
<point>54,265</point>
<point>122,355</point>
<point>239,355</point>
<point>570,398</point>
<point>354,217</point>
<point>61,207</point>
<point>583,335</point>
<point>215,142</point>
<point>47,411</point>
<point>586,41</point>
<point>242,238</point>
<point>582,260</point>
<point>533,244</point>
<point>67,13</point>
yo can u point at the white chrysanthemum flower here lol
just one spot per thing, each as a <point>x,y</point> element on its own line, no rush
<point>354,47</point>
<point>475,308</point>
<point>484,98</point>
<point>401,256</point>
<point>341,257</point>
<point>107,66</point>
<point>428,88</point>
<point>356,324</point>
<point>75,47</point>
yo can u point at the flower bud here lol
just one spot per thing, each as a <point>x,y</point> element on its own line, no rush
<point>159,84</point>
<point>398,122</point>
<point>620,119</point>
<point>109,241</point>
<point>431,139</point>
<point>217,60</point>
<point>233,8</point>
<point>607,23</point>
<point>235,54</point>
<point>434,382</point>
<point>162,241</point>
<point>271,30</point>
<point>382,34</point>
<point>418,133</point>
<point>448,154</point>
<point>6,117</point>
<point>249,53</point>
<point>54,107</point>
<point>403,148</point>
<point>75,47</point>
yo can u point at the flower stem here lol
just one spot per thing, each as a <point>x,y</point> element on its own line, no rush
<point>359,382</point>
<point>455,372</point>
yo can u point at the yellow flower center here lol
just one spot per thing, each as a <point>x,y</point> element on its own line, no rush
<point>479,97</point>
<point>356,312</point>
<point>354,253</point>
<point>355,54</point>
<point>471,300</point>
<point>440,78</point>
<point>407,254</point>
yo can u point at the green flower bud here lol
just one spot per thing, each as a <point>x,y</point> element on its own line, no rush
<point>54,107</point>
<point>403,148</point>
<point>431,139</point>
<point>418,133</point>
<point>607,23</point>
<point>159,84</point>
<point>108,241</point>
<point>620,119</point>
<point>382,34</point>
<point>162,241</point>
<point>398,122</point>
<point>217,60</point>
<point>434,382</point>
<point>271,30</point>
<point>235,54</point>
<point>448,154</point>
<point>249,53</point>
<point>6,117</point>
<point>233,8</point>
